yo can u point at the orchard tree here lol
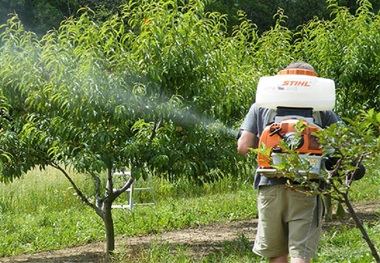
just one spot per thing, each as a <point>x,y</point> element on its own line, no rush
<point>356,148</point>
<point>346,50</point>
<point>141,91</point>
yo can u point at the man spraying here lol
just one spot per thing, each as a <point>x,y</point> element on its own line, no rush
<point>289,221</point>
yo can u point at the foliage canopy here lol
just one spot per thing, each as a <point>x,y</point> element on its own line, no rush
<point>161,87</point>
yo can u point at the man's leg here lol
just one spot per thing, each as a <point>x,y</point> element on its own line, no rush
<point>271,237</point>
<point>304,221</point>
<point>281,259</point>
<point>300,260</point>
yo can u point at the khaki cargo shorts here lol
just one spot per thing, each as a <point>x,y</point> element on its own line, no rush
<point>289,222</point>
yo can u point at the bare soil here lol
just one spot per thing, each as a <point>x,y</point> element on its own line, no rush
<point>202,240</point>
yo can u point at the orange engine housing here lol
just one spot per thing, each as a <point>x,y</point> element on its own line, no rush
<point>274,133</point>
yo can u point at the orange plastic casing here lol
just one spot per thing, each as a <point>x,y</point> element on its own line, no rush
<point>272,140</point>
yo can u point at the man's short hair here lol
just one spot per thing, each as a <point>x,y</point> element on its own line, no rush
<point>300,65</point>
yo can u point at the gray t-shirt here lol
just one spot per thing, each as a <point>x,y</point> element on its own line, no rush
<point>257,119</point>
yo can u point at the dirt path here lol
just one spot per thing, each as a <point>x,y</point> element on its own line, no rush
<point>202,240</point>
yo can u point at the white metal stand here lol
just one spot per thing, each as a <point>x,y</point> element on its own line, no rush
<point>122,177</point>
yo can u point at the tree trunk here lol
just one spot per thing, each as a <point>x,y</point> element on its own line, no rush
<point>359,225</point>
<point>108,224</point>
<point>107,215</point>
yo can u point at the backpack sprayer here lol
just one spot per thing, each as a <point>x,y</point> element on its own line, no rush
<point>293,95</point>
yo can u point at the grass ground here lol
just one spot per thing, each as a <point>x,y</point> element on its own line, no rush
<point>40,212</point>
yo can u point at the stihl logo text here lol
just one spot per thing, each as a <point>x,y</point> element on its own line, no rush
<point>296,83</point>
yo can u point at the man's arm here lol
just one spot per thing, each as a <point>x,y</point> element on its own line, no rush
<point>246,141</point>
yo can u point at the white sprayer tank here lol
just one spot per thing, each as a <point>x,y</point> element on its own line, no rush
<point>296,91</point>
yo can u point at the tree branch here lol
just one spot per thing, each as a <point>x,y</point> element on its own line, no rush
<point>77,190</point>
<point>126,186</point>
<point>99,199</point>
<point>154,130</point>
<point>359,225</point>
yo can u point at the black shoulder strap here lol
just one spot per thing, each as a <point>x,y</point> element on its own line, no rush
<point>284,111</point>
<point>304,112</point>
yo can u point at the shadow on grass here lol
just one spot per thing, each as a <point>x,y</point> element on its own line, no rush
<point>88,257</point>
<point>368,218</point>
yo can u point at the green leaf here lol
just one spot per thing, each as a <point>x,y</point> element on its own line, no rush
<point>340,212</point>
